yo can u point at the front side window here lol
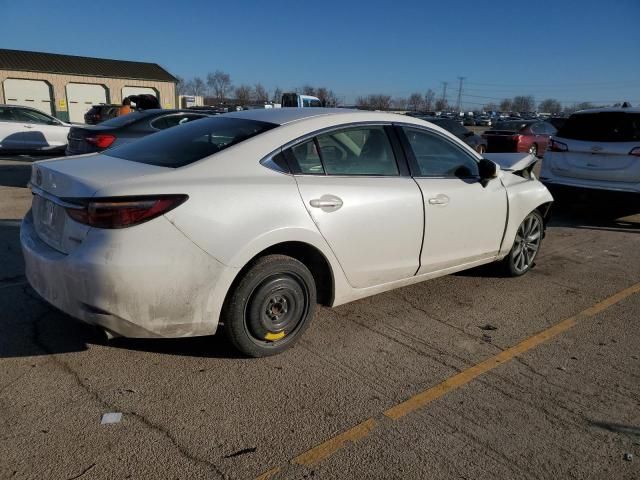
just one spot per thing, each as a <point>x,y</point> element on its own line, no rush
<point>438,157</point>
<point>31,116</point>
<point>6,115</point>
<point>358,151</point>
<point>177,147</point>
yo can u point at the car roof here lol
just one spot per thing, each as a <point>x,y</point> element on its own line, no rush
<point>609,110</point>
<point>282,116</point>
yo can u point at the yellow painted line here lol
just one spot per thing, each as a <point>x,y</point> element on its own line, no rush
<point>328,448</point>
<point>360,431</point>
<point>464,377</point>
<point>269,474</point>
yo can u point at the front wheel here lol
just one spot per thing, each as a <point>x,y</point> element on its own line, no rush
<point>270,307</point>
<point>526,245</point>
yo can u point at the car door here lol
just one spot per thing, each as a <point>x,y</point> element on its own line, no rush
<point>41,131</point>
<point>464,218</point>
<point>369,212</point>
<point>10,130</point>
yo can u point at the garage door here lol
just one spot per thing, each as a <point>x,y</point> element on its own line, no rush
<point>128,91</point>
<point>80,98</point>
<point>30,93</point>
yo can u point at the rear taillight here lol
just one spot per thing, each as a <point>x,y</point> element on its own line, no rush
<point>635,152</point>
<point>556,146</point>
<point>101,140</point>
<point>516,138</point>
<point>124,211</point>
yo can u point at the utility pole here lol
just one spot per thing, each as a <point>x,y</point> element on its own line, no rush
<point>444,91</point>
<point>461,79</point>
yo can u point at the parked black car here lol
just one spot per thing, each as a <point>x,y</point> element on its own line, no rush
<point>100,113</point>
<point>476,142</point>
<point>125,129</point>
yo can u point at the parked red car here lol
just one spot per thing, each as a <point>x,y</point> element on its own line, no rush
<point>530,136</point>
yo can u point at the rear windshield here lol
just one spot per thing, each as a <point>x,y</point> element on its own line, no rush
<point>602,127</point>
<point>514,126</point>
<point>190,142</point>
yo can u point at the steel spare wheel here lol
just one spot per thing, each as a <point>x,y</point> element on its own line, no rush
<point>81,97</point>
<point>29,93</point>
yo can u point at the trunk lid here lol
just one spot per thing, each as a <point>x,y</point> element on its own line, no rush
<point>76,139</point>
<point>57,183</point>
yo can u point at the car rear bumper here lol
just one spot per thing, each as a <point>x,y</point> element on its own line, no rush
<point>144,281</point>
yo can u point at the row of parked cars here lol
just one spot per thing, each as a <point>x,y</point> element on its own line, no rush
<point>597,148</point>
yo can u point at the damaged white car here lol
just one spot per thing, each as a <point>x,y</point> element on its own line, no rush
<point>251,218</point>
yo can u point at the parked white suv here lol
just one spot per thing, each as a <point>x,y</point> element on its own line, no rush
<point>596,149</point>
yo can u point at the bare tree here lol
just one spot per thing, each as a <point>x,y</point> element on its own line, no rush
<point>363,102</point>
<point>490,107</point>
<point>415,101</point>
<point>322,93</point>
<point>523,103</point>
<point>277,95</point>
<point>550,105</point>
<point>220,84</point>
<point>260,93</point>
<point>429,97</point>
<point>441,104</point>
<point>308,90</point>
<point>332,99</point>
<point>243,94</point>
<point>180,85</point>
<point>399,103</point>
<point>379,101</point>
<point>506,105</point>
<point>198,86</point>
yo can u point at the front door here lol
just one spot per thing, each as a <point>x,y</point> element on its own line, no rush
<point>464,218</point>
<point>369,214</point>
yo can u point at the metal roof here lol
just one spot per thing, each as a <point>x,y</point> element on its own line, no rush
<point>86,66</point>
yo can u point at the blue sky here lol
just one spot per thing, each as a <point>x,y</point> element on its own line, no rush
<point>570,50</point>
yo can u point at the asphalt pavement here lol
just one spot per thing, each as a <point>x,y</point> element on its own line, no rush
<point>469,376</point>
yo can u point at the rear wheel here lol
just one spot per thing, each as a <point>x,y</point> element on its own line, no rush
<point>526,245</point>
<point>270,307</point>
<point>533,150</point>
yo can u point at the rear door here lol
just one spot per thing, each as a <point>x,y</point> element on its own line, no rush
<point>464,218</point>
<point>599,146</point>
<point>370,213</point>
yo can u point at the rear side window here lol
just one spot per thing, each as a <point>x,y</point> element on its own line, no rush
<point>177,147</point>
<point>602,127</point>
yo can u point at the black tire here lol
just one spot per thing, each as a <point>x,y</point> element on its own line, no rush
<point>270,307</point>
<point>533,150</point>
<point>512,264</point>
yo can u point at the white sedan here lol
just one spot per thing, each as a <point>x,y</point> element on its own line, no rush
<point>25,129</point>
<point>251,218</point>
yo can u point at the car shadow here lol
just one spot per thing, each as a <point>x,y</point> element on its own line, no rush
<point>15,175</point>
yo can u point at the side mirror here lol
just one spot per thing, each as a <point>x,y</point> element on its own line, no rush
<point>487,169</point>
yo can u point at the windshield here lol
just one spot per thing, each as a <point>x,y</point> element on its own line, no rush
<point>602,127</point>
<point>190,142</point>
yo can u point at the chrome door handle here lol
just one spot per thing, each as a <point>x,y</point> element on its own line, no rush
<point>439,200</point>
<point>326,201</point>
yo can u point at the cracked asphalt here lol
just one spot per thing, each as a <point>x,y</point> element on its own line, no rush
<point>568,408</point>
